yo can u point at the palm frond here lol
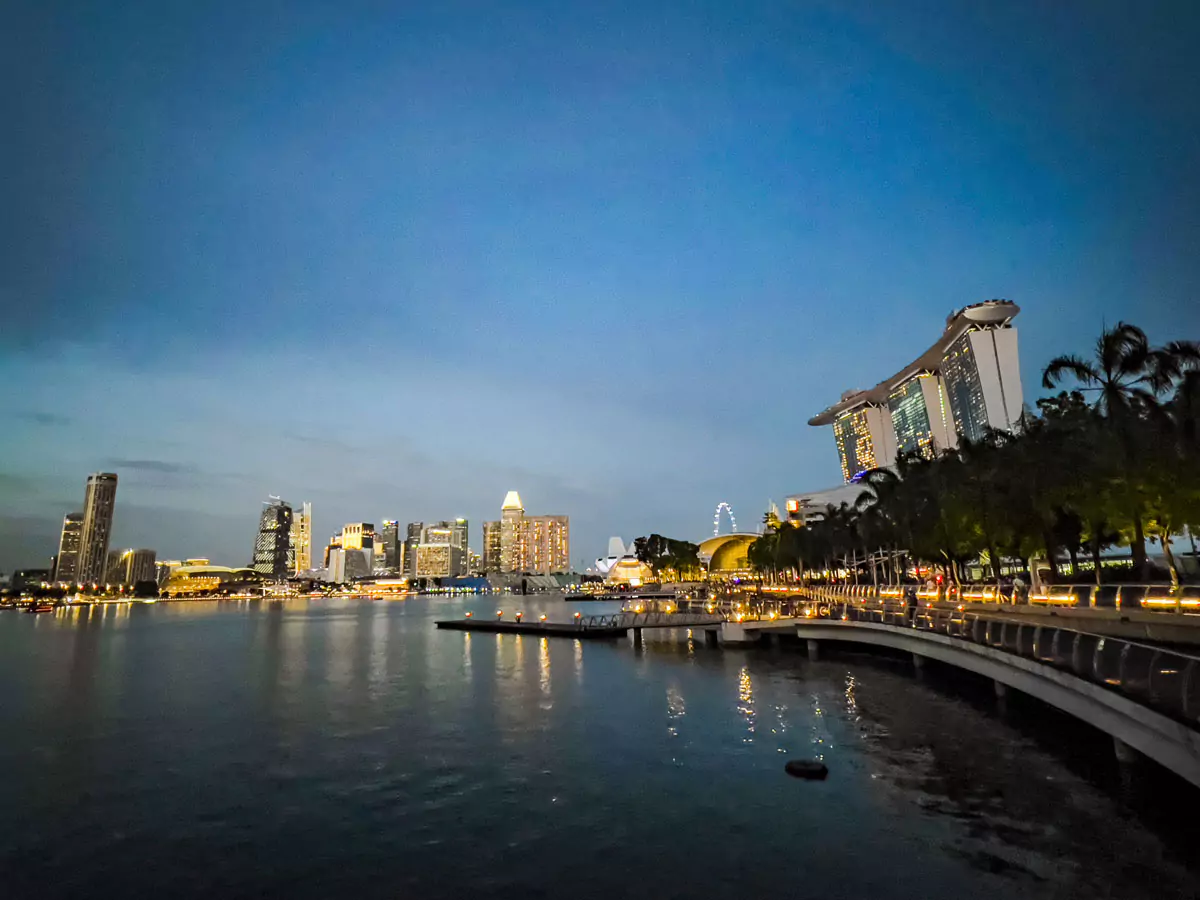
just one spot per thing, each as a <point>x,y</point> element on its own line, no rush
<point>1083,372</point>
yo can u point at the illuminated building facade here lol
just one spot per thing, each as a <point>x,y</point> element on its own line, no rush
<point>921,417</point>
<point>511,514</point>
<point>983,382</point>
<point>130,566</point>
<point>66,566</point>
<point>967,382</point>
<point>273,542</point>
<point>491,547</point>
<point>539,545</point>
<point>865,440</point>
<point>300,547</point>
<point>412,541</point>
<point>390,538</point>
<point>441,550</point>
<point>99,500</point>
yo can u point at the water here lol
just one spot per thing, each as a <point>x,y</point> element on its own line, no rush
<point>345,747</point>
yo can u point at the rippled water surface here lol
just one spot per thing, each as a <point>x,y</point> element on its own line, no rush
<point>347,748</point>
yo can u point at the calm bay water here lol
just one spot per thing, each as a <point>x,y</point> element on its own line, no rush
<point>313,748</point>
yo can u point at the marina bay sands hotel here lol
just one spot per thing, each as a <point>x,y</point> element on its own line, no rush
<point>967,382</point>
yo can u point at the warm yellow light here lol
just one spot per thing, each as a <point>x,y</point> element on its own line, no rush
<point>577,615</point>
<point>468,615</point>
<point>542,617</point>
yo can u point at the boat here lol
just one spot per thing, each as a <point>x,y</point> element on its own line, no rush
<point>41,608</point>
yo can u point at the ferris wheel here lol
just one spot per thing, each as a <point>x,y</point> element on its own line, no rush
<point>717,518</point>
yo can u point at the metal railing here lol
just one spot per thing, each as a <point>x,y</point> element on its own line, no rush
<point>682,618</point>
<point>1151,597</point>
<point>1162,679</point>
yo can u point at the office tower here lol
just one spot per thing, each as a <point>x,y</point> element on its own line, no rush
<point>511,514</point>
<point>300,541</point>
<point>441,550</point>
<point>434,556</point>
<point>130,566</point>
<point>546,544</point>
<point>391,545</point>
<point>273,542</point>
<point>491,547</point>
<point>521,543</point>
<point>358,536</point>
<point>66,567</point>
<point>411,542</point>
<point>458,547</point>
<point>967,382</point>
<point>98,502</point>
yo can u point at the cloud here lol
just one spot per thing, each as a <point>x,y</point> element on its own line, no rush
<point>41,418</point>
<point>152,465</point>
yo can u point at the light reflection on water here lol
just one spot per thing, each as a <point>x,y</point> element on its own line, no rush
<point>347,747</point>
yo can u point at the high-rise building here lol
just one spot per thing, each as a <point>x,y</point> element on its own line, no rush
<point>358,536</point>
<point>459,547</point>
<point>521,543</point>
<point>921,416</point>
<point>130,566</point>
<point>441,550</point>
<point>491,547</point>
<point>273,542</point>
<point>66,567</point>
<point>967,382</point>
<point>983,381</point>
<point>300,541</point>
<point>412,541</point>
<point>546,544</point>
<point>348,564</point>
<point>98,502</point>
<point>865,439</point>
<point>511,514</point>
<point>391,545</point>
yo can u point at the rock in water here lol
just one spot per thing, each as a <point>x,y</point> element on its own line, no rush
<point>808,769</point>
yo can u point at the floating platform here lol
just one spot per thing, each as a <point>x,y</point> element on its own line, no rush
<point>623,596</point>
<point>535,627</point>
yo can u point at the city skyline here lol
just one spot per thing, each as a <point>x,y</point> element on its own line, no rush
<point>560,233</point>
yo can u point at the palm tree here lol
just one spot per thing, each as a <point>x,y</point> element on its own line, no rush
<point>1126,376</point>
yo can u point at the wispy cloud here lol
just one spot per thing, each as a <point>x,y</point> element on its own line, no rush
<point>41,418</point>
<point>152,465</point>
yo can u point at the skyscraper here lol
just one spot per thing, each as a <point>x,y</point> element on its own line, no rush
<point>458,547</point>
<point>130,566</point>
<point>67,566</point>
<point>391,545</point>
<point>273,542</point>
<point>511,514</point>
<point>491,547</point>
<point>521,543</point>
<point>983,381</point>
<point>921,416</point>
<point>546,544</point>
<point>300,545</point>
<point>967,382</point>
<point>411,542</point>
<point>98,501</point>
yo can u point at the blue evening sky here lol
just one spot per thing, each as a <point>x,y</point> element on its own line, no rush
<point>398,259</point>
